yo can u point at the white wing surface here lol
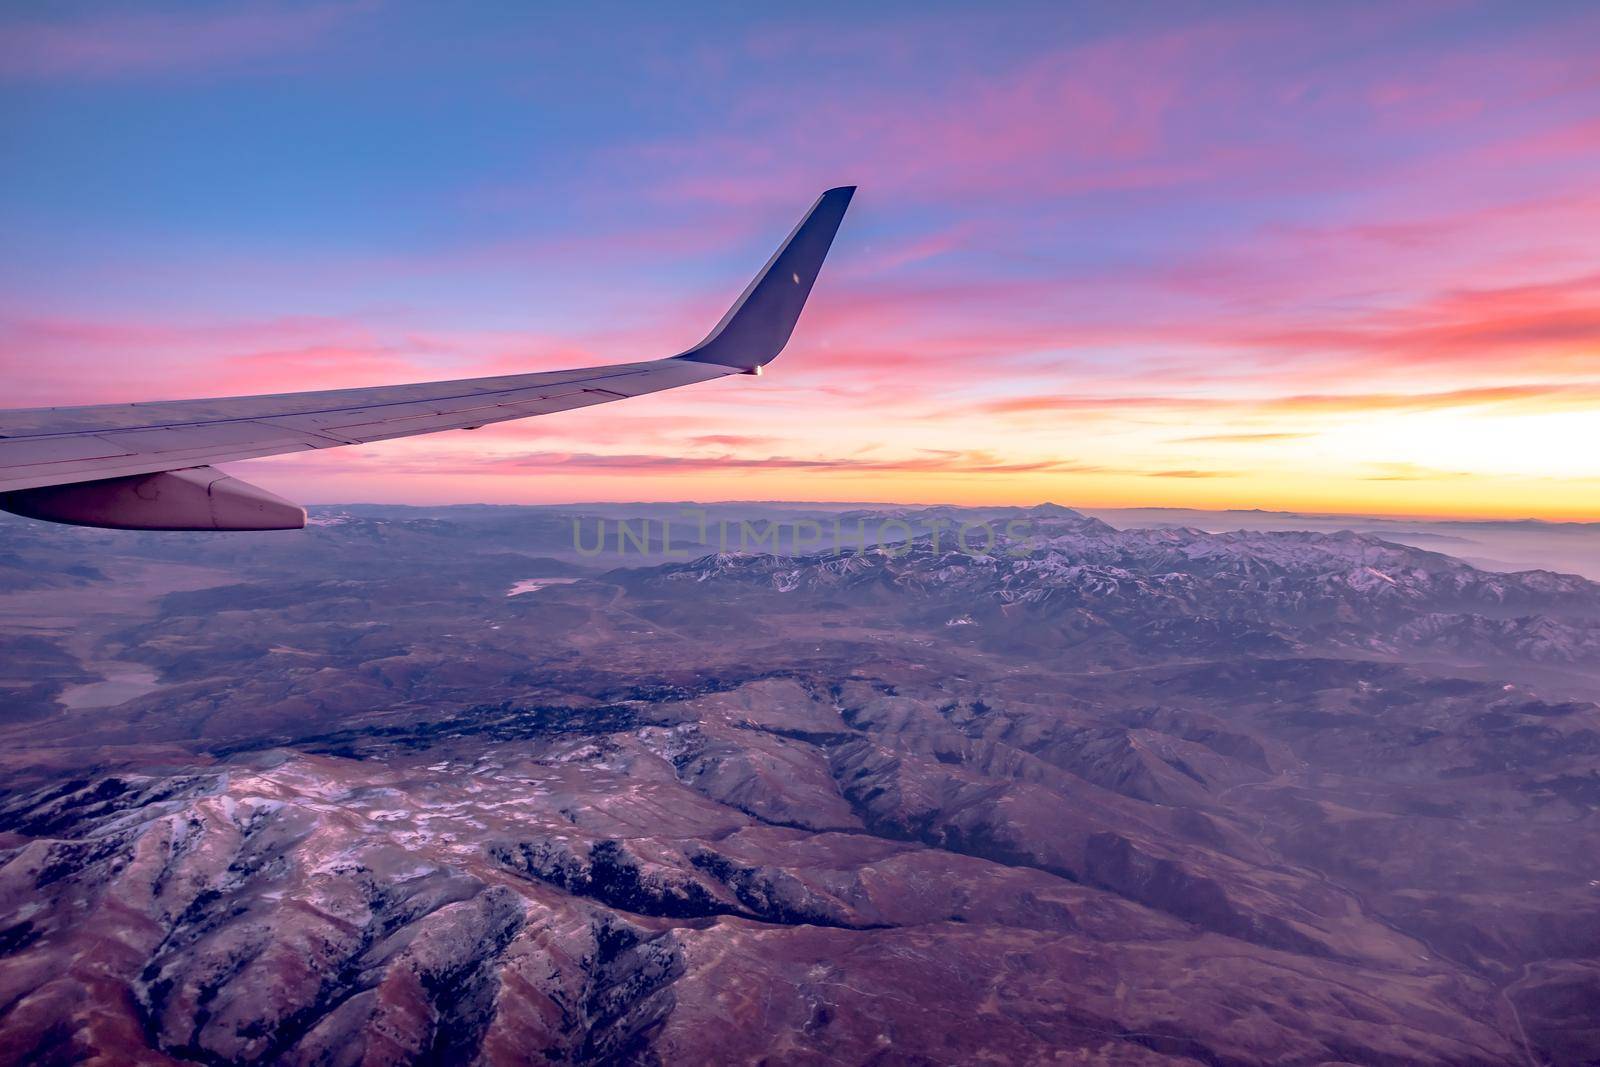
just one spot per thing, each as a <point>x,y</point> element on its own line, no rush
<point>147,466</point>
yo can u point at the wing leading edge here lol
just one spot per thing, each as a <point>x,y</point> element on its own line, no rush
<point>108,465</point>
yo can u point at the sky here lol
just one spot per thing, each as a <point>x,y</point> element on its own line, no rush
<point>1331,257</point>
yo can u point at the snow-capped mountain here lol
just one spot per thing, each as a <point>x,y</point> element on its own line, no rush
<point>1180,584</point>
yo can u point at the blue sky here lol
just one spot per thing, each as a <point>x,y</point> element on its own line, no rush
<point>1087,236</point>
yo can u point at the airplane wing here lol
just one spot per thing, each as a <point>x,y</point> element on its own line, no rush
<point>147,466</point>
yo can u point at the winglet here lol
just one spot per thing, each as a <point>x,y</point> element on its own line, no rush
<point>758,325</point>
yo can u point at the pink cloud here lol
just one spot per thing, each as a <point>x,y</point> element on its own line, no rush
<point>1538,326</point>
<point>85,360</point>
<point>952,462</point>
<point>1545,397</point>
<point>126,44</point>
<point>730,440</point>
<point>1087,117</point>
<point>1204,101</point>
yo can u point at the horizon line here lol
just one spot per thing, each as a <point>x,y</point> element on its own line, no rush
<point>1085,509</point>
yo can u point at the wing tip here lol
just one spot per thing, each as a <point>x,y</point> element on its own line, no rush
<point>758,325</point>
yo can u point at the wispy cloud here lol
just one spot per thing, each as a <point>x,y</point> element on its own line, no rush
<point>1548,326</point>
<point>127,43</point>
<point>1412,472</point>
<point>1540,396</point>
<point>961,463</point>
<point>1239,438</point>
<point>1193,474</point>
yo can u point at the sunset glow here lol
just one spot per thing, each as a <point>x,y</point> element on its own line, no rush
<point>1231,256</point>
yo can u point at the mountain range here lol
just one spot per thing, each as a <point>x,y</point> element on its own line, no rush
<point>438,786</point>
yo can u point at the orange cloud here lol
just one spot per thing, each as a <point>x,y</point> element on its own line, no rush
<point>951,462</point>
<point>1549,326</point>
<point>1546,396</point>
<point>1238,438</point>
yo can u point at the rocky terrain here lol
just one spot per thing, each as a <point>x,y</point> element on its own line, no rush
<point>1088,795</point>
